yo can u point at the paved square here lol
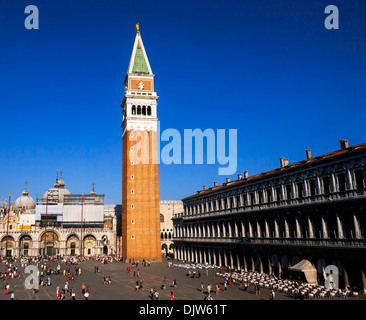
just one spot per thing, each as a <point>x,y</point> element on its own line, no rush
<point>123,283</point>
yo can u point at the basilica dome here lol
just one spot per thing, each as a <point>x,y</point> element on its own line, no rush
<point>24,201</point>
<point>56,194</point>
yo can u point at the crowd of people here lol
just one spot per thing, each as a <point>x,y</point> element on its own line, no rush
<point>57,269</point>
<point>52,267</point>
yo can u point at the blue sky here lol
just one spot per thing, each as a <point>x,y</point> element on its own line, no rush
<point>269,69</point>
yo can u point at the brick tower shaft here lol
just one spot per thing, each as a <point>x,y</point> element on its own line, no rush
<point>140,174</point>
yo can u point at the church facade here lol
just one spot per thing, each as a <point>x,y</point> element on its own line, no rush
<point>58,223</point>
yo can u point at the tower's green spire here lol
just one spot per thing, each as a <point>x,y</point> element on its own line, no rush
<point>139,64</point>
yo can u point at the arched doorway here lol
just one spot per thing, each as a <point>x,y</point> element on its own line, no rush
<point>49,243</point>
<point>25,243</point>
<point>89,244</point>
<point>7,246</point>
<point>72,244</point>
<point>105,243</point>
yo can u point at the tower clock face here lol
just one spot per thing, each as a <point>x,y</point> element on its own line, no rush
<point>141,85</point>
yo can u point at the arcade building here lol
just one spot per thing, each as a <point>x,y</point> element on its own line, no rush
<point>313,210</point>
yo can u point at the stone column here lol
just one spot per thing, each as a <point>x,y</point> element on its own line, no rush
<point>245,264</point>
<point>298,228</point>
<point>269,266</point>
<point>250,229</point>
<point>238,261</point>
<point>346,280</point>
<point>332,183</point>
<point>268,235</point>
<point>279,267</point>
<point>242,229</point>
<point>253,264</point>
<point>363,280</point>
<point>349,184</point>
<point>287,230</point>
<point>229,228</point>
<point>231,259</point>
<point>259,231</point>
<point>236,230</point>
<point>324,228</point>
<point>339,227</point>
<point>310,227</point>
<point>356,224</point>
<point>225,258</point>
<point>277,232</point>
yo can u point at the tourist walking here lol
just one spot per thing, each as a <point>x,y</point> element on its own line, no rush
<point>217,288</point>
<point>209,289</point>
<point>272,295</point>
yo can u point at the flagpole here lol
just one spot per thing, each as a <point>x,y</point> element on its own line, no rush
<point>7,227</point>
<point>82,208</point>
<point>45,229</point>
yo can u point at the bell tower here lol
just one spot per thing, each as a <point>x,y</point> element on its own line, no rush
<point>140,175</point>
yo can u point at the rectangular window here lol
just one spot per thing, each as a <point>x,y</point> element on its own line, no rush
<point>252,198</point>
<point>288,192</point>
<point>312,187</point>
<point>326,185</point>
<point>260,197</point>
<point>359,179</point>
<point>341,182</point>
<point>268,195</point>
<point>278,193</point>
<point>300,192</point>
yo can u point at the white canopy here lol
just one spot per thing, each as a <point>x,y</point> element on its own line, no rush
<point>308,269</point>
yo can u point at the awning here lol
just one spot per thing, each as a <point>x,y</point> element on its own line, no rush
<point>307,268</point>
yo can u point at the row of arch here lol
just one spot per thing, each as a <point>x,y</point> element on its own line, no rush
<point>166,235</point>
<point>340,180</point>
<point>51,244</point>
<point>276,264</point>
<point>338,225</point>
<point>141,110</point>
